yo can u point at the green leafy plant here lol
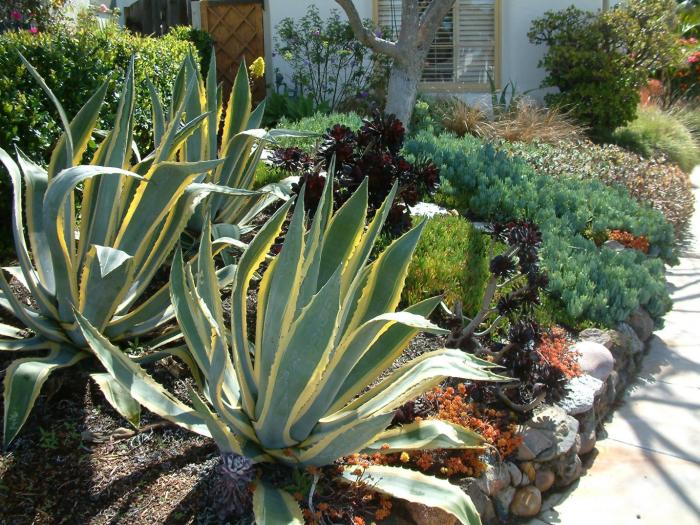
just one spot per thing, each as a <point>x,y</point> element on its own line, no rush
<point>132,212</point>
<point>598,61</point>
<point>284,106</point>
<point>598,285</point>
<point>325,329</point>
<point>653,182</point>
<point>451,259</point>
<point>328,63</point>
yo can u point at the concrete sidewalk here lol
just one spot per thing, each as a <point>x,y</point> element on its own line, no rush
<point>647,469</point>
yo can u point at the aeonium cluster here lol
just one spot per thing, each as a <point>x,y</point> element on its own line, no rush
<point>372,152</point>
<point>505,329</point>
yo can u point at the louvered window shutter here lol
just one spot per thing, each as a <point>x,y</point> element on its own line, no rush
<point>464,49</point>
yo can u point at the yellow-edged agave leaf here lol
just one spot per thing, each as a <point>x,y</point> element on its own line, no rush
<point>418,488</point>
<point>321,395</point>
<point>30,277</point>
<point>425,434</point>
<point>418,376</point>
<point>302,353</point>
<point>381,354</point>
<point>36,182</point>
<point>12,332</point>
<point>102,283</point>
<point>119,398</point>
<point>157,113</point>
<point>248,264</point>
<point>23,381</point>
<point>344,441</point>
<point>272,506</point>
<point>140,385</point>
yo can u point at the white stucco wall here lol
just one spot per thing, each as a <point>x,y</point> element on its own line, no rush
<point>519,58</point>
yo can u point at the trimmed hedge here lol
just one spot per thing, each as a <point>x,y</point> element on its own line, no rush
<point>600,285</point>
<point>74,63</point>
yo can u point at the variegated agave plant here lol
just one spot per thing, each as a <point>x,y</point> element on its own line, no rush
<point>133,212</point>
<point>326,329</point>
<point>240,142</point>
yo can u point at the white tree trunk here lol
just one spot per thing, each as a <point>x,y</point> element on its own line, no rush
<point>403,90</point>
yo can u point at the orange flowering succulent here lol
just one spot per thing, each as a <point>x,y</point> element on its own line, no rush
<point>555,349</point>
<point>628,240</point>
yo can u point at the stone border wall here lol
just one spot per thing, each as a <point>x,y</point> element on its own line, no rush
<point>556,437</point>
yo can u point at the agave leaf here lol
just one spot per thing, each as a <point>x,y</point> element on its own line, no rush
<point>21,345</point>
<point>425,435</point>
<point>299,358</point>
<point>119,398</point>
<point>36,183</point>
<point>12,332</point>
<point>322,395</point>
<point>102,283</point>
<point>62,255</point>
<point>248,264</point>
<point>344,233</point>
<point>345,440</point>
<point>29,276</point>
<point>420,375</point>
<point>382,353</point>
<point>102,227</point>
<point>239,105</point>
<point>23,381</point>
<point>279,314</point>
<point>158,115</point>
<point>29,317</point>
<point>153,200</point>
<point>138,383</point>
<point>273,506</point>
<point>418,488</point>
<point>385,280</point>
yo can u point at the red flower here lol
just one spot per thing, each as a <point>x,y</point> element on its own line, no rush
<point>16,15</point>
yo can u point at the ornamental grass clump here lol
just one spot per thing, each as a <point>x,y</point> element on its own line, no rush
<point>325,329</point>
<point>101,261</point>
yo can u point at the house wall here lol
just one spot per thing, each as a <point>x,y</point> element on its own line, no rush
<point>519,57</point>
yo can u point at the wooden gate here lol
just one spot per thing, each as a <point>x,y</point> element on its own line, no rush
<point>237,29</point>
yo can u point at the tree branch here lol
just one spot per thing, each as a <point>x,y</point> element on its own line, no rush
<point>432,18</point>
<point>364,35</point>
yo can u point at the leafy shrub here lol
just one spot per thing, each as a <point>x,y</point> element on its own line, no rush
<point>600,285</point>
<point>202,41</point>
<point>451,259</point>
<point>328,63</point>
<point>599,61</point>
<point>653,182</point>
<point>34,15</point>
<point>658,132</point>
<point>283,106</point>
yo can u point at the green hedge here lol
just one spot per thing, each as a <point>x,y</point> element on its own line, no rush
<point>594,284</point>
<point>74,62</point>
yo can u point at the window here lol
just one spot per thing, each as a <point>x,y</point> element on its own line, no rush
<point>464,52</point>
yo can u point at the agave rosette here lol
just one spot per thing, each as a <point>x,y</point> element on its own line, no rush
<point>326,328</point>
<point>133,212</point>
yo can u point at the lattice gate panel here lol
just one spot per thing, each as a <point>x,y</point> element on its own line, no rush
<point>237,29</point>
